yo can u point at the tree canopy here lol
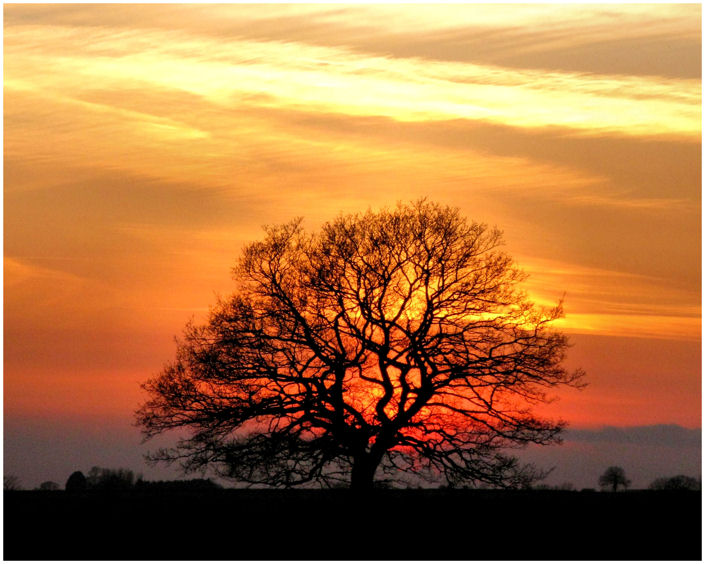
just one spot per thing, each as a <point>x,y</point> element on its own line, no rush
<point>678,482</point>
<point>613,478</point>
<point>394,342</point>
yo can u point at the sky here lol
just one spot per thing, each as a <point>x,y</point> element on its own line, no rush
<point>144,145</point>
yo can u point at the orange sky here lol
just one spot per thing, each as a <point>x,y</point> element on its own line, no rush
<point>144,144</point>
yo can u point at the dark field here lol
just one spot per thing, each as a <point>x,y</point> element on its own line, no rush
<point>342,525</point>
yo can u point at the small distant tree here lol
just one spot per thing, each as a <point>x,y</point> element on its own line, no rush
<point>77,482</point>
<point>613,478</point>
<point>48,486</point>
<point>11,482</point>
<point>679,482</point>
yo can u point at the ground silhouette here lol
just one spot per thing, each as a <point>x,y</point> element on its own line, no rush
<point>348,525</point>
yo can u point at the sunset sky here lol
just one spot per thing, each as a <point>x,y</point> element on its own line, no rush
<point>145,144</point>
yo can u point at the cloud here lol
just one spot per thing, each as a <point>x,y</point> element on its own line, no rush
<point>651,435</point>
<point>586,38</point>
<point>645,453</point>
<point>335,79</point>
<point>52,448</point>
<point>614,302</point>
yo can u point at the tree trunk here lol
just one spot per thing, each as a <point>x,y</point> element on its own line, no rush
<point>362,476</point>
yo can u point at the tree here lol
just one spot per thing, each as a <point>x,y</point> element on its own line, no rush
<point>614,477</point>
<point>679,482</point>
<point>11,482</point>
<point>394,341</point>
<point>77,482</point>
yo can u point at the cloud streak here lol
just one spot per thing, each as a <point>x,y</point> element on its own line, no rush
<point>654,435</point>
<point>586,38</point>
<point>328,79</point>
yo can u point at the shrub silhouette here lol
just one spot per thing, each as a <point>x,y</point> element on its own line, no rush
<point>110,478</point>
<point>178,485</point>
<point>48,486</point>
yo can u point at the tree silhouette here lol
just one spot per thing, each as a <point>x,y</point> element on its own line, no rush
<point>614,477</point>
<point>11,482</point>
<point>679,482</point>
<point>77,482</point>
<point>394,341</point>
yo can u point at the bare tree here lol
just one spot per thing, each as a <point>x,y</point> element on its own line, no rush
<point>394,341</point>
<point>11,482</point>
<point>613,478</point>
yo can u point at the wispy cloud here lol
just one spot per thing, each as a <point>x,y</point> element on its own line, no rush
<point>656,435</point>
<point>329,79</point>
<point>611,302</point>
<point>600,38</point>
